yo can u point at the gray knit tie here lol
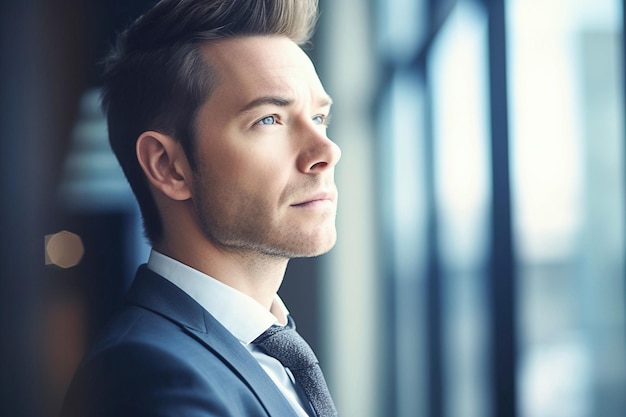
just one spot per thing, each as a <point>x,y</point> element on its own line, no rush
<point>290,349</point>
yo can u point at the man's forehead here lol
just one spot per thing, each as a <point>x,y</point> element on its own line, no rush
<point>264,66</point>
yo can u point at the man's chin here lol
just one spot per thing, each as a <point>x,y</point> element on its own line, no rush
<point>319,250</point>
<point>303,247</point>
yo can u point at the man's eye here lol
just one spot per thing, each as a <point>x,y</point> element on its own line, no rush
<point>267,120</point>
<point>320,119</point>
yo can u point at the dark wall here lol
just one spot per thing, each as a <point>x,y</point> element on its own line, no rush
<point>48,54</point>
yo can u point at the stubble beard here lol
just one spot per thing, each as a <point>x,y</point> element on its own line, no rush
<point>251,233</point>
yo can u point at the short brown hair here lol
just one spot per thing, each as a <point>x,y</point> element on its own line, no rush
<point>155,77</point>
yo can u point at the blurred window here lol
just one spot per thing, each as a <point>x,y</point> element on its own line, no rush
<point>457,70</point>
<point>565,117</point>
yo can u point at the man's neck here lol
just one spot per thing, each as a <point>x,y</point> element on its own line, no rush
<point>256,275</point>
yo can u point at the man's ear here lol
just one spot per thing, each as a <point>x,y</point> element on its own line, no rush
<point>165,164</point>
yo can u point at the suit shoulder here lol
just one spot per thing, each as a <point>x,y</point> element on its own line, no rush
<point>144,363</point>
<point>136,326</point>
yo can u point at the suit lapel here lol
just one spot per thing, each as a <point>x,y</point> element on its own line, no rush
<point>155,293</point>
<point>242,363</point>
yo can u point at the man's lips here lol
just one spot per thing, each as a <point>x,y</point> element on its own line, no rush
<point>317,198</point>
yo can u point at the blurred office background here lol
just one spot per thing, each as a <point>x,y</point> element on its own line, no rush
<point>479,270</point>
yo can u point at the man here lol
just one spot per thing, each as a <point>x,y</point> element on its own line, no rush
<point>218,119</point>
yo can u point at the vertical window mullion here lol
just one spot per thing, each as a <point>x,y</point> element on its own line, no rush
<point>502,279</point>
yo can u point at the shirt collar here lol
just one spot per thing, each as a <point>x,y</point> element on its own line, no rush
<point>239,313</point>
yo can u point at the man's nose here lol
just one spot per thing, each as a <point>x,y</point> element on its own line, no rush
<point>319,153</point>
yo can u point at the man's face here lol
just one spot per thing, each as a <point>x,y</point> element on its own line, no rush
<point>264,180</point>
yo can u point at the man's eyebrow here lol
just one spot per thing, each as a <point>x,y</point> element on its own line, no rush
<point>265,100</point>
<point>280,102</point>
<point>326,101</point>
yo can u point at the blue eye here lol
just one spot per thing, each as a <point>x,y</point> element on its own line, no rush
<point>267,120</point>
<point>320,119</point>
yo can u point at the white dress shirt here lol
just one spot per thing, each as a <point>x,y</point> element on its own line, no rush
<point>240,314</point>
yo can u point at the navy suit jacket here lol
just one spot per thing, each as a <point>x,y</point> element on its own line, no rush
<point>164,355</point>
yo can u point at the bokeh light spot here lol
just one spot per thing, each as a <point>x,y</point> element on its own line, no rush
<point>64,249</point>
